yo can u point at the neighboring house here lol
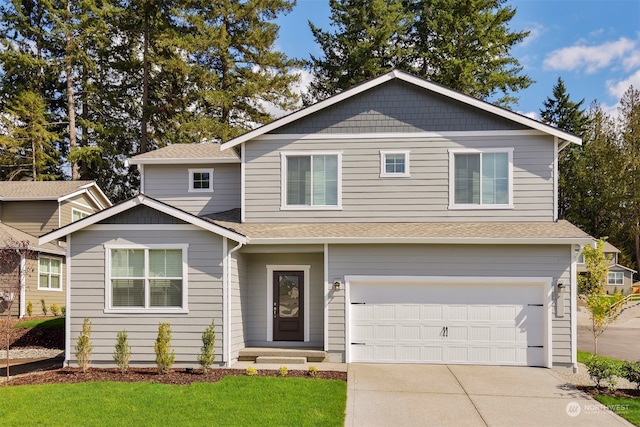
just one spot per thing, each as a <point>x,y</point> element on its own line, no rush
<point>398,221</point>
<point>31,208</point>
<point>620,278</point>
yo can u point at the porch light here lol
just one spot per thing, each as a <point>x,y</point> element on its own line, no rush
<point>337,284</point>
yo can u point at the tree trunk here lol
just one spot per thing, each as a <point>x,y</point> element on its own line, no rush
<point>145,86</point>
<point>71,110</point>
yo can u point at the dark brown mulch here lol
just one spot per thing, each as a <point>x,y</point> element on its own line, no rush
<point>175,376</point>
<point>626,392</point>
<point>35,337</point>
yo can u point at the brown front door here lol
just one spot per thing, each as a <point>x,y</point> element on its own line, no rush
<point>288,306</point>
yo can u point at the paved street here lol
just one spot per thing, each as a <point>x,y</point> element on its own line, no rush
<point>620,341</point>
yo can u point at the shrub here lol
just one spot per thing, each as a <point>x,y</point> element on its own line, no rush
<point>313,371</point>
<point>206,355</point>
<point>165,356</point>
<point>631,372</point>
<point>122,355</point>
<point>283,371</point>
<point>29,309</point>
<point>55,309</point>
<point>601,369</point>
<point>251,371</point>
<point>83,346</point>
<point>44,307</point>
<point>63,310</point>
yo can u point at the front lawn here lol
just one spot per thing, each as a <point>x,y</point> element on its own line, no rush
<point>233,401</point>
<point>628,408</point>
<point>48,323</point>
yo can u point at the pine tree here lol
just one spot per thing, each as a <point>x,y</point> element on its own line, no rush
<point>560,111</point>
<point>464,45</point>
<point>369,40</point>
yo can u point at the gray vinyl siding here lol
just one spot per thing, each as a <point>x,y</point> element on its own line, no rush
<point>239,303</point>
<point>450,260</point>
<point>142,215</point>
<point>33,217</point>
<point>625,288</point>
<point>424,196</point>
<point>81,202</point>
<point>398,107</point>
<point>256,303</point>
<point>205,258</point>
<point>170,184</point>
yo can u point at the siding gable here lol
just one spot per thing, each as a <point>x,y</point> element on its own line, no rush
<point>397,106</point>
<point>142,215</point>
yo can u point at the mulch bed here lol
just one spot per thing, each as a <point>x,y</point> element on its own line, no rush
<point>594,391</point>
<point>151,375</point>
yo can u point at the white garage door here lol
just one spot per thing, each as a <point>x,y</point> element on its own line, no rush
<point>447,323</point>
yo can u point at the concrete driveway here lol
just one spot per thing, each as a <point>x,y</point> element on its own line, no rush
<point>456,395</point>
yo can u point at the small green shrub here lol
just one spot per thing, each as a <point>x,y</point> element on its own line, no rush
<point>165,356</point>
<point>601,370</point>
<point>29,309</point>
<point>206,355</point>
<point>313,371</point>
<point>63,310</point>
<point>283,371</point>
<point>83,346</point>
<point>122,355</point>
<point>251,371</point>
<point>44,307</point>
<point>631,372</point>
<point>55,309</point>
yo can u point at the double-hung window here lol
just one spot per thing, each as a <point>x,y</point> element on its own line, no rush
<point>77,214</point>
<point>50,273</point>
<point>201,180</point>
<point>615,278</point>
<point>394,163</point>
<point>481,178</point>
<point>311,180</point>
<point>147,278</point>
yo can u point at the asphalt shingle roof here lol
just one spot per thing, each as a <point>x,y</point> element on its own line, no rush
<point>185,152</point>
<point>49,190</point>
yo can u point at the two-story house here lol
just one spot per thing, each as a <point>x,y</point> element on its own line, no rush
<point>32,208</point>
<point>619,278</point>
<point>399,221</point>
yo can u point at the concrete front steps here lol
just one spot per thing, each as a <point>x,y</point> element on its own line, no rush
<point>288,356</point>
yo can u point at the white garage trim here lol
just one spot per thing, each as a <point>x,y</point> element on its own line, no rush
<point>270,270</point>
<point>546,289</point>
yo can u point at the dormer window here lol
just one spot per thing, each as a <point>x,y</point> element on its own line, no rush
<point>394,164</point>
<point>201,180</point>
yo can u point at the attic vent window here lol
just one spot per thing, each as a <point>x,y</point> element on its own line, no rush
<point>201,180</point>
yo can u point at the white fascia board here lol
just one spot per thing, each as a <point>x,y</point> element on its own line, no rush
<point>183,161</point>
<point>396,135</point>
<point>107,203</point>
<point>140,200</point>
<point>396,74</point>
<point>71,195</point>
<point>419,240</point>
<point>623,267</point>
<point>447,279</point>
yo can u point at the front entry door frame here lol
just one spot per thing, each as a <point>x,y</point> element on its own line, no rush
<point>270,270</point>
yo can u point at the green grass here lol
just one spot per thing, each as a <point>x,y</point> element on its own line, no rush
<point>584,355</point>
<point>626,407</point>
<point>234,401</point>
<point>53,323</point>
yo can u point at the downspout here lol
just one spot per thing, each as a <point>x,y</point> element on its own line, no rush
<point>573,289</point>
<point>556,152</point>
<point>226,303</point>
<point>23,284</point>
<point>67,317</point>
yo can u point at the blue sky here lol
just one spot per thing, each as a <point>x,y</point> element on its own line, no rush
<point>594,45</point>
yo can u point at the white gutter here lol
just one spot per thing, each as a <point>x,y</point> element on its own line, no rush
<point>226,301</point>
<point>422,240</point>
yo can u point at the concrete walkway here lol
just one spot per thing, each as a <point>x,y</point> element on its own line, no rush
<point>457,395</point>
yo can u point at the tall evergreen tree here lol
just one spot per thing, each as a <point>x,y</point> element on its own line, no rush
<point>369,40</point>
<point>560,111</point>
<point>465,45</point>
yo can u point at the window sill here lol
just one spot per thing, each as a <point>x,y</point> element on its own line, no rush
<point>50,289</point>
<point>479,207</point>
<point>145,311</point>
<point>310,208</point>
<point>193,190</point>
<point>395,175</point>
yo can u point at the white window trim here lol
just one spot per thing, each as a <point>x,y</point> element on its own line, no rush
<point>61,275</point>
<point>283,181</point>
<point>85,213</point>
<point>615,273</point>
<point>459,206</point>
<point>383,169</point>
<point>201,190</point>
<point>108,307</point>
<point>270,269</point>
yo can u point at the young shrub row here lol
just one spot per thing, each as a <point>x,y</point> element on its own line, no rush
<point>604,371</point>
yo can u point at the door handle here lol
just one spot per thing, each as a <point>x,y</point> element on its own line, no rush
<point>275,310</point>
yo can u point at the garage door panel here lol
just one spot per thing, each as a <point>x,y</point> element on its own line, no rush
<point>443,324</point>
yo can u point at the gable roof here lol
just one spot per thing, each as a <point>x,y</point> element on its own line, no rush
<point>186,153</point>
<point>138,200</point>
<point>417,81</point>
<point>8,233</point>
<point>51,190</point>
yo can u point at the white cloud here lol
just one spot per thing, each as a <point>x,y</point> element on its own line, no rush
<point>618,88</point>
<point>535,32</point>
<point>590,58</point>
<point>299,88</point>
<point>530,114</point>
